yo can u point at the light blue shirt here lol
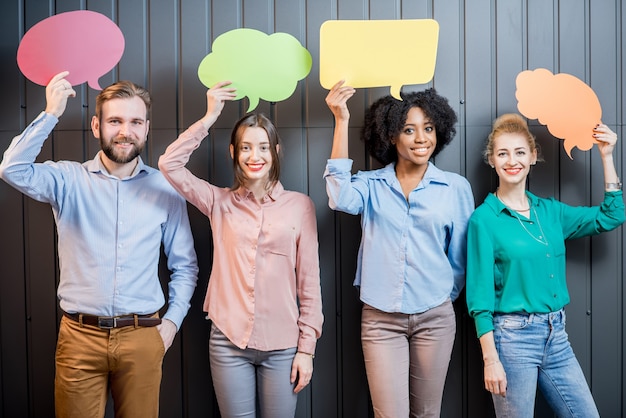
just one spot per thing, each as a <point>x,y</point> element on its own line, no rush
<point>412,253</point>
<point>110,230</point>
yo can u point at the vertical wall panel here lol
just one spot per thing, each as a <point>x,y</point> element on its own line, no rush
<point>542,39</point>
<point>606,356</point>
<point>13,357</point>
<point>14,367</point>
<point>12,18</point>
<point>318,12</point>
<point>290,18</point>
<point>510,52</point>
<point>328,371</point>
<point>575,185</point>
<point>447,74</point>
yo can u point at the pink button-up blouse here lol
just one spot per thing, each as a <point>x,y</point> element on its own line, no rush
<point>264,289</point>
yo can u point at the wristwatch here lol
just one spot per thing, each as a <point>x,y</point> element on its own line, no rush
<point>613,186</point>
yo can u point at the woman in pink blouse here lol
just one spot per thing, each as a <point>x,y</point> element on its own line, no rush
<point>264,293</point>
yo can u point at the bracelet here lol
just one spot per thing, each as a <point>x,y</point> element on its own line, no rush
<point>613,186</point>
<point>312,355</point>
<point>492,363</point>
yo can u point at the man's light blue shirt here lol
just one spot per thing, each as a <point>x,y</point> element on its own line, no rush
<point>110,230</point>
<point>412,252</point>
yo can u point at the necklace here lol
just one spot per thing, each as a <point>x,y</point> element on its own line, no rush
<point>511,208</point>
<point>541,238</point>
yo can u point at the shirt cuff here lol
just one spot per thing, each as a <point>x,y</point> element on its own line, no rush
<point>338,165</point>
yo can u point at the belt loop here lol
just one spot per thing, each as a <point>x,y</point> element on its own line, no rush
<point>136,320</point>
<point>531,318</point>
<point>80,320</point>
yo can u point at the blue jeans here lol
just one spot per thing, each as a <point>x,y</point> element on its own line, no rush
<point>239,374</point>
<point>534,350</point>
<point>406,359</point>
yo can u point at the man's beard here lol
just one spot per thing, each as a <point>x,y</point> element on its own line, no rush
<point>117,157</point>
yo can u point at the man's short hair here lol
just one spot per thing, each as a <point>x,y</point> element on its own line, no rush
<point>122,90</point>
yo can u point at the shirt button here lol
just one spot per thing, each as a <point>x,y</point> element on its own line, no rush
<point>552,276</point>
<point>548,255</point>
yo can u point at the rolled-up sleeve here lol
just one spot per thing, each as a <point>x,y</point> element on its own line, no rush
<point>345,193</point>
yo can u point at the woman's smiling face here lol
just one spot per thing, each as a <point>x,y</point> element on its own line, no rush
<point>254,156</point>
<point>512,157</point>
<point>417,140</point>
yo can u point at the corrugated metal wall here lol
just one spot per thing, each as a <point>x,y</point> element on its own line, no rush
<point>483,45</point>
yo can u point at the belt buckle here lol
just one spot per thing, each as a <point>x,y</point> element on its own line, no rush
<point>107,322</point>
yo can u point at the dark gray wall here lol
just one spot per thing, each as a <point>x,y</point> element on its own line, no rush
<point>483,45</point>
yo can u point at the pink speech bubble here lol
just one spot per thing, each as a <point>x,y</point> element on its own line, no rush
<point>85,43</point>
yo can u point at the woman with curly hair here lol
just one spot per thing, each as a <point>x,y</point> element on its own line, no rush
<point>411,260</point>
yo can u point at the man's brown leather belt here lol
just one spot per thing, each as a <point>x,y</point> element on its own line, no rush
<point>109,322</point>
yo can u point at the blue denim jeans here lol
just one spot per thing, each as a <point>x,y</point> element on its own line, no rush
<point>239,375</point>
<point>535,351</point>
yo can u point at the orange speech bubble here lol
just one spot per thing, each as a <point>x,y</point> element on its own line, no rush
<point>566,105</point>
<point>378,53</point>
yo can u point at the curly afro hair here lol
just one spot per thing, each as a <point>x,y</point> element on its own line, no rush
<point>386,117</point>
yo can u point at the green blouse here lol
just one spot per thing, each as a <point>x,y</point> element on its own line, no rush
<point>517,264</point>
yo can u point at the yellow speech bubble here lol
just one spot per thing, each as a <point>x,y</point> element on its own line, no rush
<point>377,53</point>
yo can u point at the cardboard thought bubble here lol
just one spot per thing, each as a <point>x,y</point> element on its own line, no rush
<point>377,53</point>
<point>260,66</point>
<point>565,104</point>
<point>85,43</point>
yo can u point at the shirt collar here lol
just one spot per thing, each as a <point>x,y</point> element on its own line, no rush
<point>432,174</point>
<point>96,166</point>
<point>271,196</point>
<point>498,207</point>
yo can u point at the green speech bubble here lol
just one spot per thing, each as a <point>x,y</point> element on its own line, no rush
<point>260,66</point>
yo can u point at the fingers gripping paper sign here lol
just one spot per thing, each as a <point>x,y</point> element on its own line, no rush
<point>260,66</point>
<point>378,53</point>
<point>85,43</point>
<point>566,105</point>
